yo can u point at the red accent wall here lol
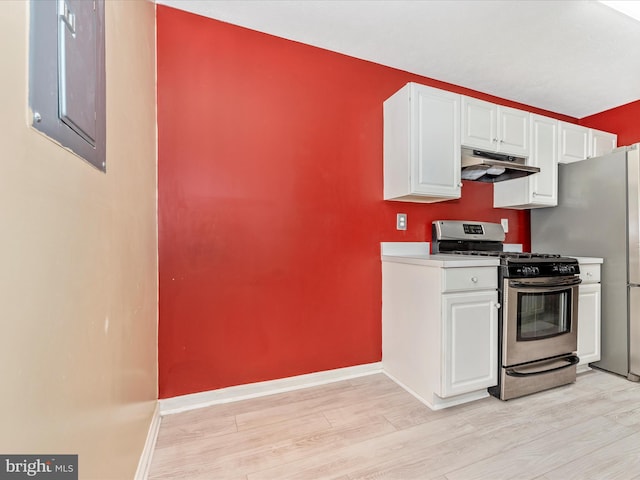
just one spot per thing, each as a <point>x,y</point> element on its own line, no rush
<point>270,205</point>
<point>623,120</point>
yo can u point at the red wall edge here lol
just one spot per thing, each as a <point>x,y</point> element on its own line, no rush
<point>623,120</point>
<point>270,205</point>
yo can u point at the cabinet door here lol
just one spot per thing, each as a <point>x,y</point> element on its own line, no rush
<point>435,142</point>
<point>544,155</point>
<point>602,143</point>
<point>513,131</point>
<point>589,323</point>
<point>574,143</point>
<point>540,189</point>
<point>422,145</point>
<point>479,124</point>
<point>470,342</point>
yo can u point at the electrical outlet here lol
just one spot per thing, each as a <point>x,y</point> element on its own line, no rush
<point>401,221</point>
<point>505,224</point>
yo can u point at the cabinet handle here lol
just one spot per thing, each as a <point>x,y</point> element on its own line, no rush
<point>497,305</point>
<point>474,279</point>
<point>460,184</point>
<point>589,274</point>
<point>534,194</point>
<point>495,140</point>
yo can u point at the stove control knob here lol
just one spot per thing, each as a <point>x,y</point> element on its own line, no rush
<point>567,269</point>
<point>530,271</point>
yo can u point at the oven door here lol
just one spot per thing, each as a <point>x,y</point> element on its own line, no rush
<point>539,318</point>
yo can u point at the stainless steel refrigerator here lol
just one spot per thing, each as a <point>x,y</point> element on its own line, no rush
<point>598,216</point>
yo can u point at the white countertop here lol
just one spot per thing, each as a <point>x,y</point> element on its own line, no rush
<point>444,261</point>
<point>586,259</point>
<point>453,261</point>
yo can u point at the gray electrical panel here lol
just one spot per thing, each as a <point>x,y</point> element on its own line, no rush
<point>67,75</point>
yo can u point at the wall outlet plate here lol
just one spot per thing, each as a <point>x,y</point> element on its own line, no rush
<point>505,224</point>
<point>401,221</point>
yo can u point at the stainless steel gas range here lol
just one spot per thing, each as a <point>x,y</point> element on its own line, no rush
<point>538,297</point>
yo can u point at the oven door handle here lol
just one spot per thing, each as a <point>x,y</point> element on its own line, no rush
<point>569,282</point>
<point>570,361</point>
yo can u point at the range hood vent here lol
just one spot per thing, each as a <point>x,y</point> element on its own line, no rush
<point>482,166</point>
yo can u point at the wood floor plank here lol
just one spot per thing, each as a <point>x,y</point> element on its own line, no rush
<point>406,443</point>
<point>498,425</point>
<point>386,405</point>
<point>626,410</point>
<point>316,447</point>
<point>348,394</point>
<point>626,416</point>
<point>599,380</point>
<point>538,456</point>
<point>370,428</point>
<point>195,424</point>
<point>440,458</point>
<point>197,455</point>
<point>619,460</point>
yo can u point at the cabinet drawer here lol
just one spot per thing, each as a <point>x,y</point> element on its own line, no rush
<point>469,278</point>
<point>590,273</point>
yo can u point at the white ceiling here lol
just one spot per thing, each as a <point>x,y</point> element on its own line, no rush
<point>574,57</point>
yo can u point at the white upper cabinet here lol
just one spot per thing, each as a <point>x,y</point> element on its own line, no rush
<point>602,142</point>
<point>425,128</point>
<point>578,143</point>
<point>574,143</point>
<point>539,189</point>
<point>422,145</point>
<point>479,124</point>
<point>513,131</point>
<point>495,128</point>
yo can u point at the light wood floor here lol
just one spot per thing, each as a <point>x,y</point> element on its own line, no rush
<point>370,428</point>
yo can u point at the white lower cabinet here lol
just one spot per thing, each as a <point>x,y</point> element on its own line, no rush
<point>470,340</point>
<point>440,331</point>
<point>589,311</point>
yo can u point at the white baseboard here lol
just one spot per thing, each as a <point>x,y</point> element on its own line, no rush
<point>144,464</point>
<point>192,401</point>
<point>438,403</point>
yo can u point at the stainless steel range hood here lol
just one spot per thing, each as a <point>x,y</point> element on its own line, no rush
<point>482,166</point>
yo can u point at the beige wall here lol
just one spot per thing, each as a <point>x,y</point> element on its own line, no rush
<point>78,261</point>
